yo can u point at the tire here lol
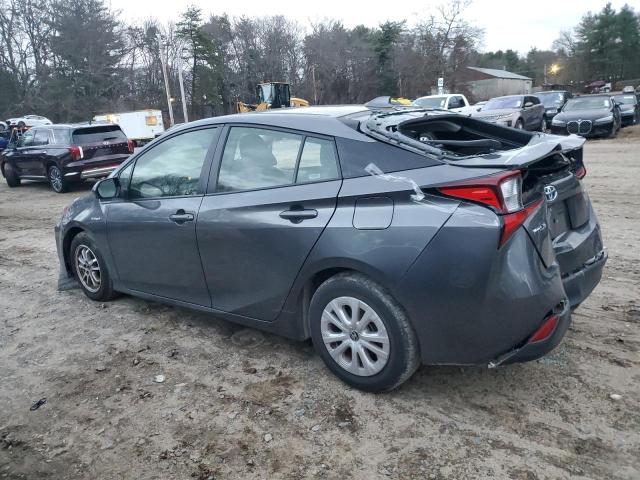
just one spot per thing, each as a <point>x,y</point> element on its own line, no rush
<point>10,175</point>
<point>543,125</point>
<point>389,362</point>
<point>56,179</point>
<point>84,254</point>
<point>519,125</point>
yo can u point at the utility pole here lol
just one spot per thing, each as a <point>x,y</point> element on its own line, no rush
<point>545,73</point>
<point>184,100</point>
<point>166,83</point>
<point>315,90</point>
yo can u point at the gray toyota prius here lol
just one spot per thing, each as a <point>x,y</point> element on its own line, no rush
<point>391,239</point>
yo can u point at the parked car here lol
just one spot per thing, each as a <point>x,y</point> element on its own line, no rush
<point>524,112</point>
<point>342,225</point>
<point>454,102</point>
<point>553,101</point>
<point>28,121</point>
<point>629,108</point>
<point>5,135</point>
<point>62,154</point>
<point>588,116</point>
<point>479,105</point>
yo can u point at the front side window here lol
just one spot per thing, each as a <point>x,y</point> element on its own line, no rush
<point>258,158</point>
<point>173,167</point>
<point>26,140</point>
<point>318,161</point>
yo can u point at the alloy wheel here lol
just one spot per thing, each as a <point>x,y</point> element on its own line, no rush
<point>88,268</point>
<point>355,336</point>
<point>55,177</point>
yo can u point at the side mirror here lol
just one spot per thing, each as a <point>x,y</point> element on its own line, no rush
<point>107,189</point>
<point>528,104</point>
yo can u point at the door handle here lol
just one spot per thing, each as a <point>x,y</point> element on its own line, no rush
<point>181,217</point>
<point>296,216</point>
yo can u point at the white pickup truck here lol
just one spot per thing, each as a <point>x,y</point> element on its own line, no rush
<point>454,102</point>
<point>141,126</point>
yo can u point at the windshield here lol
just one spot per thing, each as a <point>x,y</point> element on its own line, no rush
<point>587,103</point>
<point>502,103</point>
<point>431,102</point>
<point>551,99</point>
<point>626,99</point>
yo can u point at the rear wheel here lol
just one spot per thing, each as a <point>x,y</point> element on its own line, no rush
<point>543,125</point>
<point>90,269</point>
<point>362,334</point>
<point>56,179</point>
<point>11,176</point>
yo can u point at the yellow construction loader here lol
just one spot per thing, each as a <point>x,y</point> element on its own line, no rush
<point>272,95</point>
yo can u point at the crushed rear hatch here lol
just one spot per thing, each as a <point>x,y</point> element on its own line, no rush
<point>565,229</point>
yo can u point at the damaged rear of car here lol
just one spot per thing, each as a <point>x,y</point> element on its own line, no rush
<point>522,249</point>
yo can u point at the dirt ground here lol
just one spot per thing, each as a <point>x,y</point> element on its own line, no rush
<point>236,403</point>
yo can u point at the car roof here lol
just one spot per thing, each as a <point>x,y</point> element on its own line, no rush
<point>322,120</point>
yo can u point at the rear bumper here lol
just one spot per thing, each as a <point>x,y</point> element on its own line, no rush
<point>534,350</point>
<point>581,283</point>
<point>97,172</point>
<point>470,301</point>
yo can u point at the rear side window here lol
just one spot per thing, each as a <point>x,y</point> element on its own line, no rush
<point>318,161</point>
<point>59,136</point>
<point>41,137</point>
<point>356,155</point>
<point>258,158</point>
<point>98,134</point>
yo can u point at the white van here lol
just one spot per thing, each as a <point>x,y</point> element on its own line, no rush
<point>141,126</point>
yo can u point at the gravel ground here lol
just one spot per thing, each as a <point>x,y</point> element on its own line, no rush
<point>237,403</point>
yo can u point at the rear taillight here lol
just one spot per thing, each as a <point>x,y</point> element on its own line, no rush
<point>76,152</point>
<point>502,193</point>
<point>581,172</point>
<point>131,145</point>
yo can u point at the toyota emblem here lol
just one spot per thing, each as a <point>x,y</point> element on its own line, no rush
<point>550,192</point>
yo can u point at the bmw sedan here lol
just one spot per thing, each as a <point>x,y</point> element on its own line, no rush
<point>390,239</point>
<point>588,116</point>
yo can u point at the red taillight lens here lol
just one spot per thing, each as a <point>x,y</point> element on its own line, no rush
<point>545,330</point>
<point>76,152</point>
<point>512,221</point>
<point>131,145</point>
<point>581,172</point>
<point>502,193</point>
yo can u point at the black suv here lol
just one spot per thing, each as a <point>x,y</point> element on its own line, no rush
<point>553,101</point>
<point>62,154</point>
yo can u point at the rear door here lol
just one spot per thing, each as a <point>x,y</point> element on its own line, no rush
<point>152,230</point>
<point>274,195</point>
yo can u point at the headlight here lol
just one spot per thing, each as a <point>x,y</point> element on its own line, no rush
<point>604,119</point>
<point>558,122</point>
<point>551,111</point>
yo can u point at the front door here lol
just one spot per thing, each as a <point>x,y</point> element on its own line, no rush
<point>152,229</point>
<point>275,194</point>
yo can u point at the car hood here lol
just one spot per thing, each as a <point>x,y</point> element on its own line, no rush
<point>495,113</point>
<point>583,115</point>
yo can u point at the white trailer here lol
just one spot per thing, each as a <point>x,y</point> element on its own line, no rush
<point>141,126</point>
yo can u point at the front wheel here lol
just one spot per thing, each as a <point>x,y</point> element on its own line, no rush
<point>90,269</point>
<point>11,176</point>
<point>519,125</point>
<point>362,334</point>
<point>56,179</point>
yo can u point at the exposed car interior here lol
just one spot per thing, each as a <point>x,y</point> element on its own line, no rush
<point>462,135</point>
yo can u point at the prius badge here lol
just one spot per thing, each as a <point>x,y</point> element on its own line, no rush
<point>550,192</point>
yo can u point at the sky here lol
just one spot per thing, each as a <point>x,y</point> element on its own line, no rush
<point>514,24</point>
